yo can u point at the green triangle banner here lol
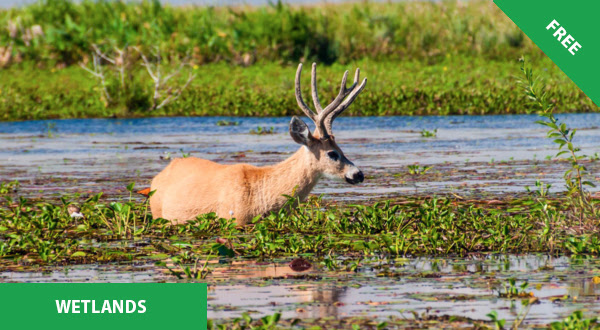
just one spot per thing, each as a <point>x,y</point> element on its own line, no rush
<point>567,31</point>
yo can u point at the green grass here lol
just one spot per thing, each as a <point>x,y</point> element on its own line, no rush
<point>62,32</point>
<point>575,321</point>
<point>421,58</point>
<point>455,85</point>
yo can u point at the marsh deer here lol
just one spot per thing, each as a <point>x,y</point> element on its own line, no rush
<point>188,187</point>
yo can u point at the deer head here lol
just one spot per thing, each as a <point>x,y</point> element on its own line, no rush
<point>330,159</point>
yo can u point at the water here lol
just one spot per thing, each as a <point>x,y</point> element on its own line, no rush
<point>475,156</point>
<point>465,287</point>
<point>468,287</point>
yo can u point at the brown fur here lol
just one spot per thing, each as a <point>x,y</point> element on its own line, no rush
<point>188,187</point>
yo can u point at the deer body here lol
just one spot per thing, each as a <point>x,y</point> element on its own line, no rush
<point>189,187</point>
<point>193,186</point>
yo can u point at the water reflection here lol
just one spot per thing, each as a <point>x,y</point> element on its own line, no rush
<point>442,286</point>
<point>467,287</point>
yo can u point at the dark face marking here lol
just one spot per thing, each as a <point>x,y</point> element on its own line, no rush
<point>333,155</point>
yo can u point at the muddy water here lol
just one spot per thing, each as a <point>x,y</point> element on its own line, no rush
<point>476,156</point>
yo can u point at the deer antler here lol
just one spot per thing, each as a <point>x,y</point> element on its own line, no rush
<point>323,118</point>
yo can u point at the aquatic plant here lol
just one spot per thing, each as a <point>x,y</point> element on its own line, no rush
<point>8,187</point>
<point>268,322</point>
<point>227,123</point>
<point>576,321</point>
<point>417,169</point>
<point>511,290</point>
<point>429,134</point>
<point>575,177</point>
<point>498,323</point>
<point>195,272</point>
<point>426,227</point>
<point>262,130</point>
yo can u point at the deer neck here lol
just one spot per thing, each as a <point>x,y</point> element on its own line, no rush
<point>295,176</point>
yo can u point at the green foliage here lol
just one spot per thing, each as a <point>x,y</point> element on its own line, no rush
<point>458,64</point>
<point>562,136</point>
<point>473,86</point>
<point>575,321</point>
<point>262,130</point>
<point>227,123</point>
<point>559,132</point>
<point>245,322</point>
<point>511,290</point>
<point>418,169</point>
<point>8,187</point>
<point>428,134</point>
<point>498,324</point>
<point>63,31</point>
<point>47,233</point>
<point>195,272</point>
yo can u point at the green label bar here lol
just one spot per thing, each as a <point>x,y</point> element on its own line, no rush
<point>567,31</point>
<point>106,306</point>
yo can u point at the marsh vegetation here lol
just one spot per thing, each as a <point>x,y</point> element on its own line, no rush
<point>480,212</point>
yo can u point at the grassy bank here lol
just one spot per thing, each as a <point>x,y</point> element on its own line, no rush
<point>455,85</point>
<point>421,58</point>
<point>63,32</point>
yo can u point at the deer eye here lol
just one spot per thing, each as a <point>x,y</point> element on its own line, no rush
<point>333,155</point>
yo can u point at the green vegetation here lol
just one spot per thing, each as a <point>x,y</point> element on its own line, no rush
<point>576,321</point>
<point>429,134</point>
<point>42,232</point>
<point>455,86</point>
<point>227,123</point>
<point>262,130</point>
<point>63,32</point>
<point>241,61</point>
<point>418,169</point>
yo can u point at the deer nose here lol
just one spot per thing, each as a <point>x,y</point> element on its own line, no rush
<point>357,177</point>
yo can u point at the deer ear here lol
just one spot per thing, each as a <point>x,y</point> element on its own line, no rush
<point>300,131</point>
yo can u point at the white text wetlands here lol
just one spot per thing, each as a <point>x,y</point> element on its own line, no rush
<point>100,307</point>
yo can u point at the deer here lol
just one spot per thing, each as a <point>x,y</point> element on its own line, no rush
<point>189,187</point>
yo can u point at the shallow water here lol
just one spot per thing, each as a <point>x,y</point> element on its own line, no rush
<point>471,155</point>
<point>466,287</point>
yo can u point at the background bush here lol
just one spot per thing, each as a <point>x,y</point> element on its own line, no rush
<point>421,58</point>
<point>60,31</point>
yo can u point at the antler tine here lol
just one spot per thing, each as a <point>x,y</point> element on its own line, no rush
<point>323,118</point>
<point>344,92</point>
<point>313,87</point>
<point>328,109</point>
<point>337,111</point>
<point>299,99</point>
